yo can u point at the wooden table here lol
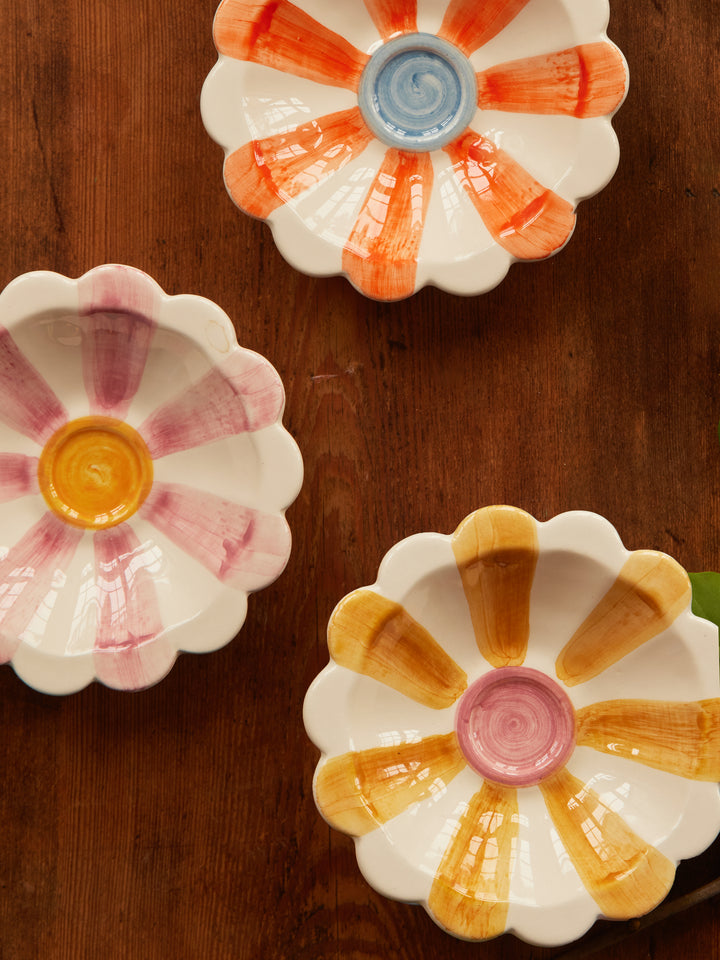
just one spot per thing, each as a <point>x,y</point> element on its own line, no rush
<point>178,822</point>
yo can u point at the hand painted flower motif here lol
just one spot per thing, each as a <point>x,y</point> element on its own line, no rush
<point>143,478</point>
<point>520,725</point>
<point>405,143</point>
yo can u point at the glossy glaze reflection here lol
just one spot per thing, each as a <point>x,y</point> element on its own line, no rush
<point>363,789</point>
<point>681,738</point>
<point>470,891</point>
<point>624,874</point>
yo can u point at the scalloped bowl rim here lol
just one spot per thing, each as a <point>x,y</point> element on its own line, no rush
<point>477,272</point>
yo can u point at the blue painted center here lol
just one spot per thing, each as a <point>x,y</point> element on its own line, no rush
<point>418,92</point>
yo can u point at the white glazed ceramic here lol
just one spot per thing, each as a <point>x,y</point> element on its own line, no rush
<point>144,474</point>
<point>564,825</point>
<point>405,144</point>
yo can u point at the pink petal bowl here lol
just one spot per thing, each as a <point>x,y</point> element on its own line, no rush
<point>144,475</point>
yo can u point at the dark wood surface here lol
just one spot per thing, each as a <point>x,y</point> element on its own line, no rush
<point>178,822</point>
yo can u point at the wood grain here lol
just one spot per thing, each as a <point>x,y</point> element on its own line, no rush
<point>178,823</point>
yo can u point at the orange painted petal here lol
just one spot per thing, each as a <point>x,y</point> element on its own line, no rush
<point>496,552</point>
<point>391,17</point>
<point>584,81</point>
<point>625,876</point>
<point>278,34</point>
<point>680,738</point>
<point>380,256</point>
<point>264,174</point>
<point>469,24</point>
<point>648,594</point>
<point>358,791</point>
<point>525,218</point>
<point>377,637</point>
<point>470,893</point>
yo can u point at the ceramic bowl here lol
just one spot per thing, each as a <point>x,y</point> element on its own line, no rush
<point>144,474</point>
<point>520,726</point>
<point>411,143</point>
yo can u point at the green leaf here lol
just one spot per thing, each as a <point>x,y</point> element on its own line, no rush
<point>706,596</point>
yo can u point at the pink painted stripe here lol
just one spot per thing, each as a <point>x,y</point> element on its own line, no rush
<point>243,394</point>
<point>242,547</point>
<point>117,287</point>
<point>392,17</point>
<point>129,651</point>
<point>278,34</point>
<point>27,403</point>
<point>114,352</point>
<point>134,668</point>
<point>469,24</point>
<point>27,574</point>
<point>120,306</point>
<point>18,476</point>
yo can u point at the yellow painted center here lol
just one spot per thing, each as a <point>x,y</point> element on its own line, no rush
<point>95,472</point>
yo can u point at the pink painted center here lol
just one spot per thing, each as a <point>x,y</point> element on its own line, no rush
<point>515,726</point>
